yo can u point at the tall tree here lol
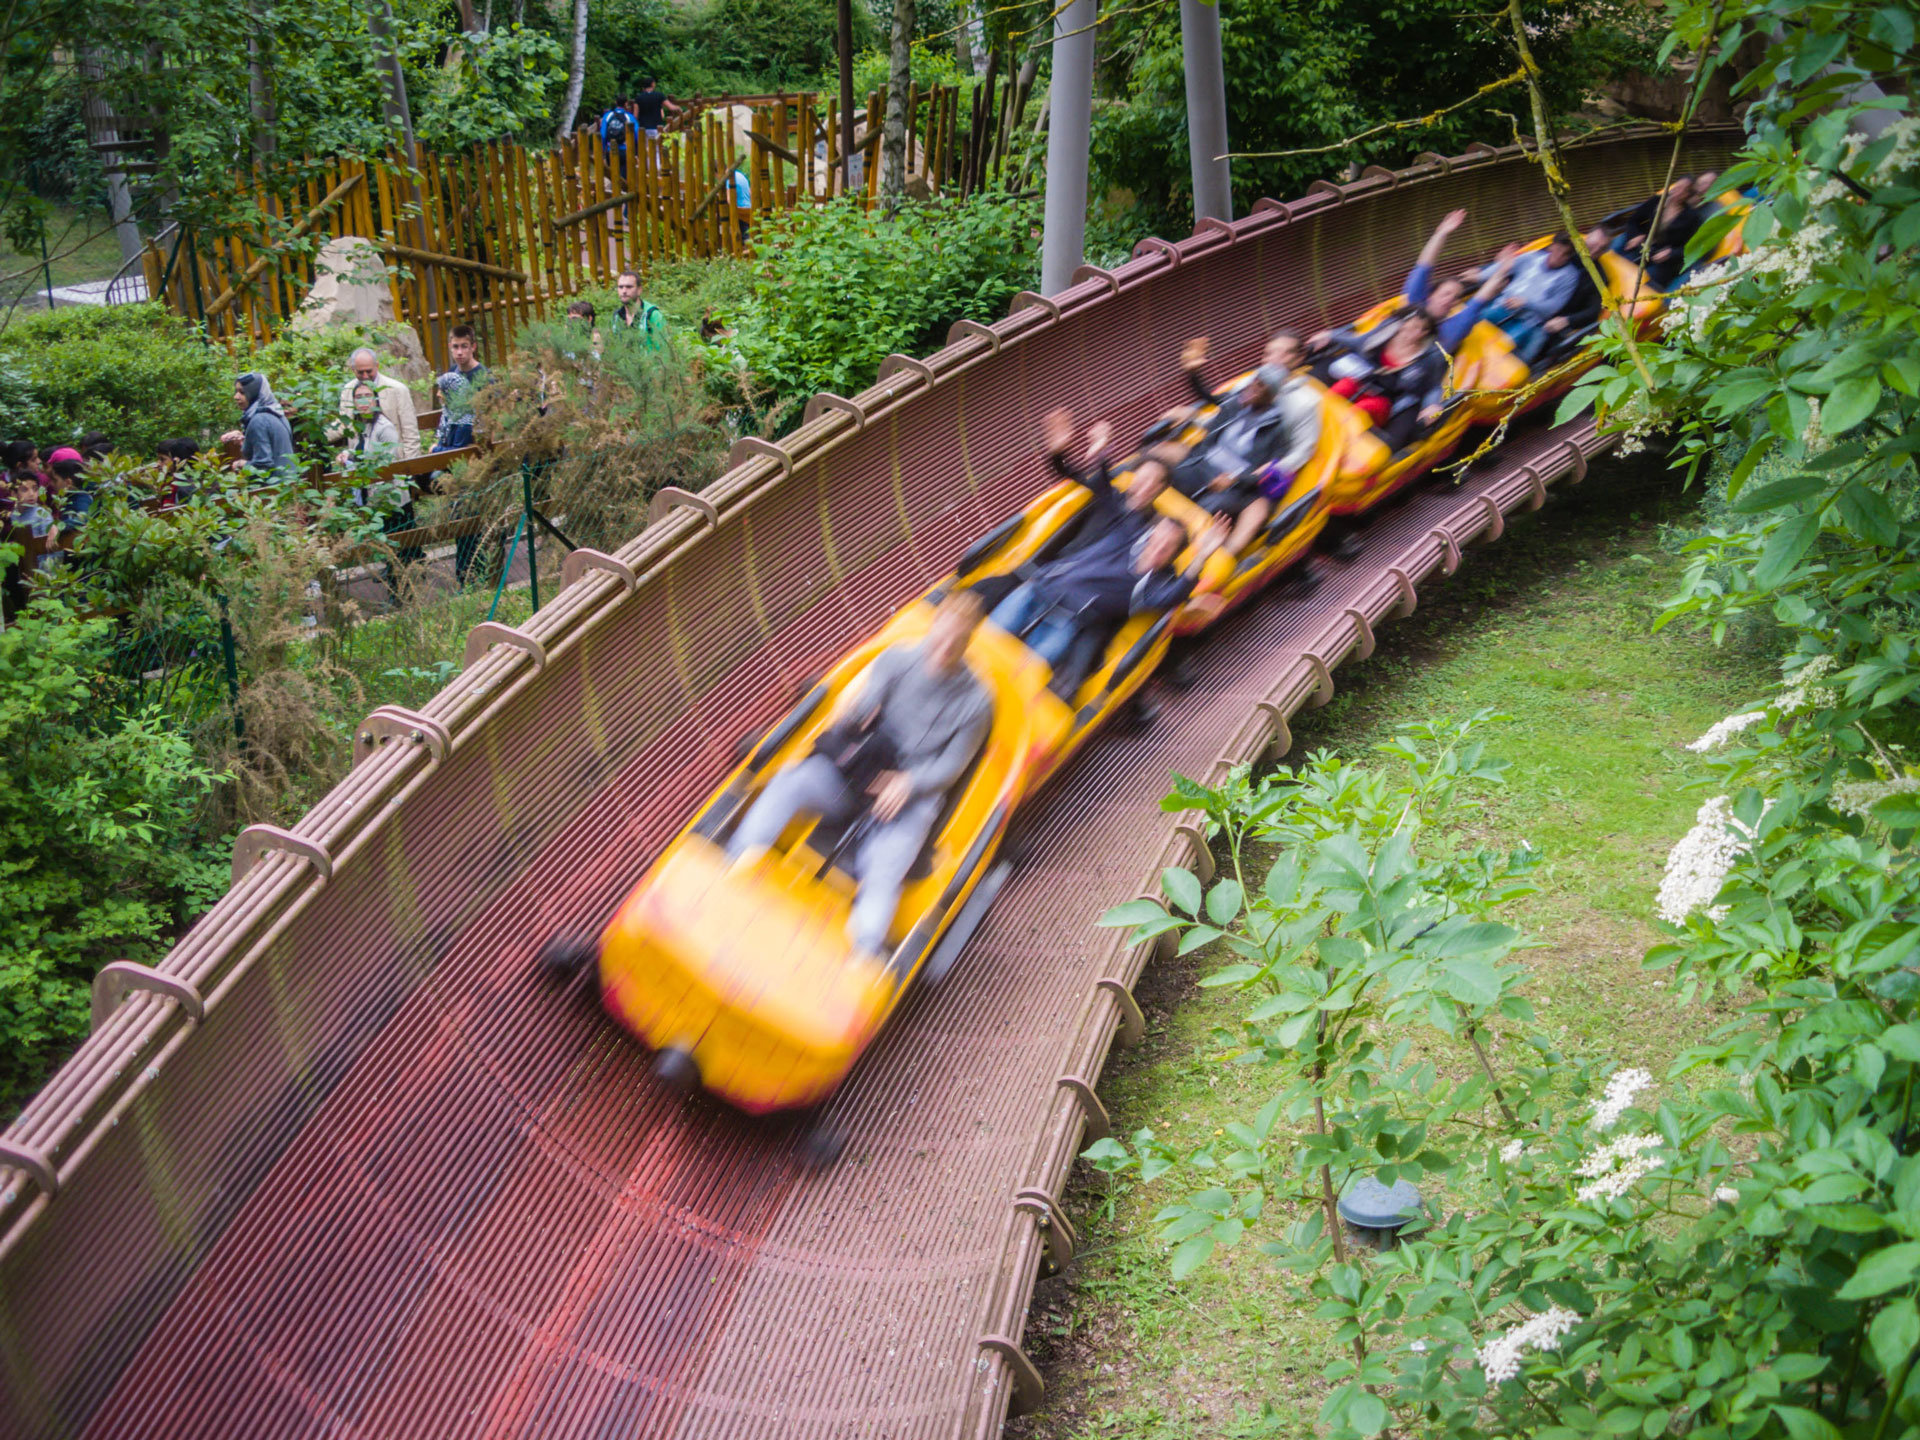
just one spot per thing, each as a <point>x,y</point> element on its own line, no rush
<point>260,83</point>
<point>843,17</point>
<point>893,142</point>
<point>393,76</point>
<point>576,74</point>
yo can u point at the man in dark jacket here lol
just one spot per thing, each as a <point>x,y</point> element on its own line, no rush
<point>1108,509</point>
<point>1070,607</point>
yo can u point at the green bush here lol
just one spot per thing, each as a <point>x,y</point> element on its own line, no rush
<point>132,371</point>
<point>96,818</point>
<point>837,289</point>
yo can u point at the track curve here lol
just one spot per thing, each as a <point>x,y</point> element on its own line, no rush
<point>395,1184</point>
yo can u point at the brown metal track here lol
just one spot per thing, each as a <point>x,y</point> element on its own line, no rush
<point>387,1182</point>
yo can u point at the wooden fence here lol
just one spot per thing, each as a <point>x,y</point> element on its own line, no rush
<point>493,236</point>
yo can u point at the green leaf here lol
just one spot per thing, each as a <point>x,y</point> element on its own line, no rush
<point>1895,1334</point>
<point>1867,513</point>
<point>1795,487</point>
<point>1134,912</point>
<point>1803,1424</point>
<point>1851,402</point>
<point>1223,901</point>
<point>1183,888</point>
<point>1902,1041</point>
<point>1898,812</point>
<point>1474,982</point>
<point>1368,1413</point>
<point>1191,1253</point>
<point>1884,1270</point>
<point>1785,547</point>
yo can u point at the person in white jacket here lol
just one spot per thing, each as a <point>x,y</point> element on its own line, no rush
<point>1299,402</point>
<point>396,402</point>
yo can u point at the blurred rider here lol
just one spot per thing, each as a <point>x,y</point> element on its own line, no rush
<point>901,741</point>
<point>1256,441</point>
<point>1070,608</point>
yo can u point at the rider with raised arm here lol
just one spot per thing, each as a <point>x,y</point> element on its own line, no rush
<point>900,743</point>
<point>1264,430</point>
<point>1442,299</point>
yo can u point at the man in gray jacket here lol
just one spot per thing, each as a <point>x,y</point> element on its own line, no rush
<point>928,715</point>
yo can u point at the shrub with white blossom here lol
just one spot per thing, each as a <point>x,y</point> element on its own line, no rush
<point>1604,1251</point>
<point>1733,1252</point>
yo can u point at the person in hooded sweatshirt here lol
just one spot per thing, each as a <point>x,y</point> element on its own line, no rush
<point>266,439</point>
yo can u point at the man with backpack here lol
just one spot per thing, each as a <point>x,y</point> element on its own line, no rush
<point>617,125</point>
<point>636,319</point>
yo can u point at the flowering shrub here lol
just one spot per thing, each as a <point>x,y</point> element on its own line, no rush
<point>1733,1250</point>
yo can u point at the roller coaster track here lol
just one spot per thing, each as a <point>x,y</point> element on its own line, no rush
<point>345,1164</point>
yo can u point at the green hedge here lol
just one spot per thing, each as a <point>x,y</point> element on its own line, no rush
<point>132,371</point>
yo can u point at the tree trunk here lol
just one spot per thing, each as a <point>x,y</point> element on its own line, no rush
<point>576,74</point>
<point>844,18</point>
<point>260,85</point>
<point>893,140</point>
<point>399,114</point>
<point>962,45</point>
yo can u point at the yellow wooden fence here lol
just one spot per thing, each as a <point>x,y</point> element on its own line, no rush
<point>495,235</point>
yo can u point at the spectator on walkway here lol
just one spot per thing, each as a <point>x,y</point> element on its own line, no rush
<point>636,318</point>
<point>265,438</point>
<point>94,445</point>
<point>64,468</point>
<point>396,402</point>
<point>742,201</point>
<point>457,386</point>
<point>617,125</point>
<point>175,453</point>
<point>23,462</point>
<point>375,438</point>
<point>651,107</point>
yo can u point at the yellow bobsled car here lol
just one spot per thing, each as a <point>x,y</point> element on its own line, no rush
<point>741,976</point>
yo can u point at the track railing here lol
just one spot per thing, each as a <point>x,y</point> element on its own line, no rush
<point>593,731</point>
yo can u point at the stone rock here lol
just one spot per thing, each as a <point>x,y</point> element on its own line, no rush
<point>350,286</point>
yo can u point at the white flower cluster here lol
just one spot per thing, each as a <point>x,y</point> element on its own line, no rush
<point>1905,154</point>
<point>1804,693</point>
<point>1692,306</point>
<point>1500,1357</point>
<point>1791,255</point>
<point>1635,418</point>
<point>1726,1195</point>
<point>1615,1168</point>
<point>1621,1088</point>
<point>1724,730</point>
<point>1513,1150</point>
<point>1700,861</point>
<point>1857,797</point>
<point>1814,440</point>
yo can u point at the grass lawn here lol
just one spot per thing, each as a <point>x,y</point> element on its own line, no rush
<point>81,244</point>
<point>1553,627</point>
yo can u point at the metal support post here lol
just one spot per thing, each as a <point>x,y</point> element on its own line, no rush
<point>1069,135</point>
<point>231,660</point>
<point>528,519</point>
<point>1206,110</point>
